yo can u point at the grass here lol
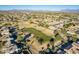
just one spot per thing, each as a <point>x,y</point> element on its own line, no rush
<point>37,33</point>
<point>57,36</point>
<point>0,45</point>
<point>19,37</point>
<point>68,25</point>
<point>63,30</point>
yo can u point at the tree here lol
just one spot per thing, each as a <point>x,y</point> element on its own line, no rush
<point>74,37</point>
<point>52,43</point>
<point>69,38</point>
<point>40,40</point>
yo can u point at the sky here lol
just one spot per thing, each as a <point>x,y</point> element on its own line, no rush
<point>38,7</point>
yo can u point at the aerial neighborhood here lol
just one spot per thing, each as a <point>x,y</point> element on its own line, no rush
<point>39,32</point>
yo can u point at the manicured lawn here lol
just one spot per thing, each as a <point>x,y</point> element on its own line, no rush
<point>37,33</point>
<point>58,37</point>
<point>19,37</point>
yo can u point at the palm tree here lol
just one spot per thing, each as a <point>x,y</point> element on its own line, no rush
<point>52,43</point>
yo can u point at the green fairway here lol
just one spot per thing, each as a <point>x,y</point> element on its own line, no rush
<point>37,33</point>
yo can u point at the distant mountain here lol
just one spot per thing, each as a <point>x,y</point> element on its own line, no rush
<point>71,10</point>
<point>63,10</point>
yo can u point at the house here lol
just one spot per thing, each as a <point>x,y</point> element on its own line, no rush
<point>74,49</point>
<point>27,36</point>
